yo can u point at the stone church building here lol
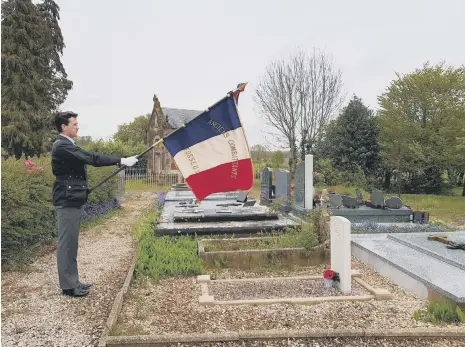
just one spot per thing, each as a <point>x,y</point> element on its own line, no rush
<point>164,121</point>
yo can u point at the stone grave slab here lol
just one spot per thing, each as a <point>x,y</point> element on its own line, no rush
<point>408,260</point>
<point>367,214</point>
<point>433,248</point>
<point>235,219</point>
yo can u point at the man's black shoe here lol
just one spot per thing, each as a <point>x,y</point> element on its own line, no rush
<point>84,286</point>
<point>77,292</point>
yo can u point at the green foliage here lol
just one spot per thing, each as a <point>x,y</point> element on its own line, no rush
<point>34,81</point>
<point>135,132</point>
<point>421,124</point>
<point>117,148</point>
<point>440,312</point>
<point>277,159</point>
<point>28,216</point>
<point>27,212</point>
<point>165,256</point>
<point>351,140</point>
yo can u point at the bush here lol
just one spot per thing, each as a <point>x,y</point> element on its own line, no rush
<point>165,256</point>
<point>28,216</point>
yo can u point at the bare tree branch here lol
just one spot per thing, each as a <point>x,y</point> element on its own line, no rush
<point>297,98</point>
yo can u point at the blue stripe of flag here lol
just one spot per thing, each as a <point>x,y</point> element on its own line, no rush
<point>221,118</point>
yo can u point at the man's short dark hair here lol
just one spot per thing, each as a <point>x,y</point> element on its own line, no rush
<point>63,118</point>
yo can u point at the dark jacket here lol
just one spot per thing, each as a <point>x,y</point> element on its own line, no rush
<point>69,165</point>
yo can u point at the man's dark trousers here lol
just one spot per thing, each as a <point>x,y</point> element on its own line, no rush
<point>68,220</point>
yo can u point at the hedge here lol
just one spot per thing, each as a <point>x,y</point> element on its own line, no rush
<point>28,216</point>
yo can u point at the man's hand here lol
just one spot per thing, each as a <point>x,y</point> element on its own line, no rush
<point>130,161</point>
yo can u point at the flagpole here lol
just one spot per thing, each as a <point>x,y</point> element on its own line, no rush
<point>124,166</point>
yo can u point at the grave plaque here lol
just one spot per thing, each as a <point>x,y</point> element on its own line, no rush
<point>394,202</point>
<point>340,251</point>
<point>349,201</point>
<point>377,198</point>
<point>242,196</point>
<point>265,195</point>
<point>283,184</point>
<point>335,200</point>
<point>299,188</point>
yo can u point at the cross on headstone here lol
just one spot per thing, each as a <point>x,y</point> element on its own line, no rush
<point>340,251</point>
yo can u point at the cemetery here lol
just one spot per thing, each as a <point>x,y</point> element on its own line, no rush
<point>260,281</point>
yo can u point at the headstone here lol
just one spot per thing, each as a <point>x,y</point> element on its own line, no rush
<point>309,181</point>
<point>420,217</point>
<point>335,200</point>
<point>265,196</point>
<point>377,198</point>
<point>283,184</point>
<point>299,188</point>
<point>359,197</point>
<point>242,196</point>
<point>340,251</point>
<point>349,201</point>
<point>394,202</point>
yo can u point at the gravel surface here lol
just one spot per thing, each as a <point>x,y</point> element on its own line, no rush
<point>277,289</point>
<point>172,307</point>
<point>337,342</point>
<point>34,313</point>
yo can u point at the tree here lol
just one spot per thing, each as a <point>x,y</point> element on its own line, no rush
<point>296,98</point>
<point>277,159</point>
<point>34,81</point>
<point>351,142</point>
<point>421,119</point>
<point>134,132</point>
<point>259,153</point>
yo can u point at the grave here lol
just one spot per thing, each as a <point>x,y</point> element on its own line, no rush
<point>266,186</point>
<point>283,184</point>
<point>220,213</point>
<point>425,267</point>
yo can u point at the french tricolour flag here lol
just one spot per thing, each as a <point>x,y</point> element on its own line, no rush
<point>211,151</point>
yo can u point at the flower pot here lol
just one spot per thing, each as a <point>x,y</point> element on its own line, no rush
<point>328,283</point>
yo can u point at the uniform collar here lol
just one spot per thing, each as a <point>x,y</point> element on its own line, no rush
<point>69,138</point>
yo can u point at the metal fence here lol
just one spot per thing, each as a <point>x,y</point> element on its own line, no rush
<point>140,176</point>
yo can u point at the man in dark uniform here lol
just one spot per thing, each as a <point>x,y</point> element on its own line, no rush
<point>70,192</point>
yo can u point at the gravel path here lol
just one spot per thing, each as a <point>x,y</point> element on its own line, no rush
<point>276,289</point>
<point>172,307</point>
<point>34,313</point>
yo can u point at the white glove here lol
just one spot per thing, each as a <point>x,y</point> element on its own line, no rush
<point>130,161</point>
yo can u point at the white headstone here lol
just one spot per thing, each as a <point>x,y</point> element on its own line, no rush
<point>340,251</point>
<point>309,181</point>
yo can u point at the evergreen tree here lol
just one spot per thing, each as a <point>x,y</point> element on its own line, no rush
<point>351,139</point>
<point>34,81</point>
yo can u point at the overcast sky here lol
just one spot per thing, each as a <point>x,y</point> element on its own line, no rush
<point>190,53</point>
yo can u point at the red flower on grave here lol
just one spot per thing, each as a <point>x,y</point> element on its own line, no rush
<point>328,274</point>
<point>292,186</point>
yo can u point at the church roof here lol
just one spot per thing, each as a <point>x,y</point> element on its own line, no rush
<point>178,117</point>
